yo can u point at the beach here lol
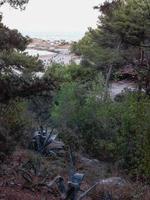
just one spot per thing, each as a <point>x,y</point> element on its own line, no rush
<point>57,51</point>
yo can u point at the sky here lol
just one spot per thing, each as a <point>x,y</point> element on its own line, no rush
<point>52,16</point>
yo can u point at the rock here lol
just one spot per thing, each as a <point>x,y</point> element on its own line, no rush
<point>89,162</point>
<point>119,87</point>
<point>113,181</point>
<point>93,168</point>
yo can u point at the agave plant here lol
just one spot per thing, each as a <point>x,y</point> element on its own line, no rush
<point>68,191</point>
<point>45,142</point>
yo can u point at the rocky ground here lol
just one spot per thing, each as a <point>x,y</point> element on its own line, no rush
<point>18,180</point>
<point>48,45</point>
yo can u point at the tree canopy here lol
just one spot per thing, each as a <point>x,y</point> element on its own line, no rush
<point>121,38</point>
<point>15,3</point>
<point>18,69</point>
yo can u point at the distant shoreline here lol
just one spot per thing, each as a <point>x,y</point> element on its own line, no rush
<point>47,45</point>
<point>57,51</point>
<point>52,36</point>
<point>41,49</point>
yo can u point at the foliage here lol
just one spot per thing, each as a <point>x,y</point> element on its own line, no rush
<point>18,70</point>
<point>94,54</point>
<point>69,73</point>
<point>18,81</point>
<point>109,130</point>
<point>76,107</point>
<point>100,48</point>
<point>133,134</point>
<point>15,3</point>
<point>118,130</point>
<point>14,125</point>
<point>119,39</point>
<point>39,106</point>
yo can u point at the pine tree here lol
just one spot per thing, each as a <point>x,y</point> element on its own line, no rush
<point>122,37</point>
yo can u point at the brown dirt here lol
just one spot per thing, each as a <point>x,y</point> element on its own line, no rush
<point>14,187</point>
<point>12,184</point>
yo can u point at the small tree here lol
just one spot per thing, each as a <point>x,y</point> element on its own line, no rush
<point>18,79</point>
<point>121,37</point>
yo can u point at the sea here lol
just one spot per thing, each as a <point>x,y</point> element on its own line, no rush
<point>52,36</point>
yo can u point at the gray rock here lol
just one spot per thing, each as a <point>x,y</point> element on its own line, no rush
<point>113,181</point>
<point>89,162</point>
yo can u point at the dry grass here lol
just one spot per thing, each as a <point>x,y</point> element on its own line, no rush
<point>128,192</point>
<point>11,183</point>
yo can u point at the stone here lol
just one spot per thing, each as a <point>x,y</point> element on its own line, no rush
<point>113,181</point>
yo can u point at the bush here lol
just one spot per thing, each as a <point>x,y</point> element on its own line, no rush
<point>81,108</point>
<point>109,130</point>
<point>133,136</point>
<point>14,125</point>
<point>72,72</point>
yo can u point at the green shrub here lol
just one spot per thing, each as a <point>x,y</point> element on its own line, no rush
<point>80,111</point>
<point>108,130</point>
<point>133,135</point>
<point>117,131</point>
<point>13,126</point>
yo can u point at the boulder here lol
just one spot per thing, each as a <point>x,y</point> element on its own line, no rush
<point>89,162</point>
<point>113,181</point>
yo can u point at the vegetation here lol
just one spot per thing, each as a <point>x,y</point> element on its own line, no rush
<point>75,99</point>
<point>15,3</point>
<point>118,131</point>
<point>18,82</point>
<point>119,39</point>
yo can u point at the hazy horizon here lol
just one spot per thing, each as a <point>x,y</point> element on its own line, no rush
<point>55,16</point>
<point>51,35</point>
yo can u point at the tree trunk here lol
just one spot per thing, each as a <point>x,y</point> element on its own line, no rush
<point>107,82</point>
<point>140,78</point>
